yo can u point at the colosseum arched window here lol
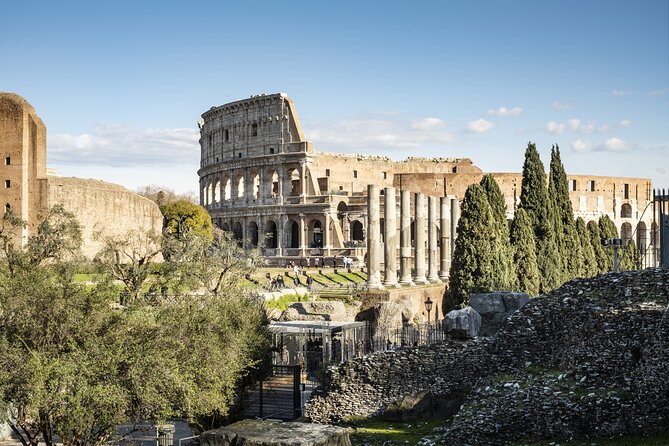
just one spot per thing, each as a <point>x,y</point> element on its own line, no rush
<point>240,187</point>
<point>626,231</point>
<point>217,191</point>
<point>227,189</point>
<point>271,234</point>
<point>641,236</point>
<point>626,211</point>
<point>253,235</point>
<point>256,186</point>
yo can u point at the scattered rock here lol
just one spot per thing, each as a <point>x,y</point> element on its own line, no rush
<point>463,324</point>
<point>272,433</point>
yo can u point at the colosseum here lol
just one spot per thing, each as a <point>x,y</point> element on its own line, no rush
<point>263,181</point>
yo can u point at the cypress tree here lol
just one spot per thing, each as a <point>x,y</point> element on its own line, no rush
<point>525,257</point>
<point>598,249</point>
<point>502,253</point>
<point>563,218</point>
<point>589,261</point>
<point>534,199</point>
<point>607,230</point>
<point>629,257</point>
<point>471,270</point>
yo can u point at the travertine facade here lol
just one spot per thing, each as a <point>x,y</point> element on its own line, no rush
<point>26,188</point>
<point>259,175</point>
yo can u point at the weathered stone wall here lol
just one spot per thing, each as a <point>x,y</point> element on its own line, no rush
<point>589,359</point>
<point>103,207</point>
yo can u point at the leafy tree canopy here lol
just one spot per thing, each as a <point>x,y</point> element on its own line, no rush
<point>184,216</point>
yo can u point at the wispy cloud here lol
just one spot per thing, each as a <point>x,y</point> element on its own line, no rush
<point>480,126</point>
<point>625,123</point>
<point>555,127</point>
<point>660,92</point>
<point>503,111</point>
<point>620,93</point>
<point>562,106</point>
<point>580,126</point>
<point>613,145</point>
<point>123,146</point>
<point>379,133</point>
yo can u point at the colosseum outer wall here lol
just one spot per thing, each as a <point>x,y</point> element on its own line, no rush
<point>103,207</point>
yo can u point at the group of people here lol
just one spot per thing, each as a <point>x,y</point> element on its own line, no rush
<point>320,262</point>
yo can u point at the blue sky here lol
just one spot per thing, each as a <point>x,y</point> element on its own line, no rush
<point>121,84</point>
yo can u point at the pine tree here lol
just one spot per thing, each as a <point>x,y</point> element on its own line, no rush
<point>598,249</point>
<point>503,265</point>
<point>534,199</point>
<point>471,270</point>
<point>607,230</point>
<point>589,261</point>
<point>566,236</point>
<point>525,257</point>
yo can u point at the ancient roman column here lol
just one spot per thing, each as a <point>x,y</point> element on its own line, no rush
<point>303,236</point>
<point>455,216</point>
<point>326,236</point>
<point>390,237</point>
<point>432,275</point>
<point>405,238</point>
<point>373,237</point>
<point>444,232</point>
<point>303,181</point>
<point>419,239</point>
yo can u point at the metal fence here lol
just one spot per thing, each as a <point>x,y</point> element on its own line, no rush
<point>407,336</point>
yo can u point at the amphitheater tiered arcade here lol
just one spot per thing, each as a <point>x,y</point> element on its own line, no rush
<point>261,179</point>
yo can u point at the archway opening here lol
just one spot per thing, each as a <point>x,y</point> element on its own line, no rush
<point>315,234</point>
<point>237,232</point>
<point>626,210</point>
<point>270,234</point>
<point>357,233</point>
<point>253,234</point>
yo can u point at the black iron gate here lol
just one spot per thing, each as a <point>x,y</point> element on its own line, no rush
<point>279,396</point>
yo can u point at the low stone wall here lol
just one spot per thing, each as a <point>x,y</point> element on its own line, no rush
<point>589,359</point>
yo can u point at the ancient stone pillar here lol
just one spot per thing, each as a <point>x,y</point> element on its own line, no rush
<point>455,216</point>
<point>390,237</point>
<point>419,238</point>
<point>303,181</point>
<point>373,236</point>
<point>445,240</point>
<point>432,275</point>
<point>326,236</point>
<point>303,236</point>
<point>405,238</point>
<point>280,174</point>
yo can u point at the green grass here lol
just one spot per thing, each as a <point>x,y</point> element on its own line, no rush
<point>376,432</point>
<point>284,301</point>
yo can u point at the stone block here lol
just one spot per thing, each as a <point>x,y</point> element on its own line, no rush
<point>495,308</point>
<point>463,324</point>
<point>272,433</point>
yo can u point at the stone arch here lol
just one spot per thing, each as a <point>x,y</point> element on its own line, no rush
<point>253,234</point>
<point>217,191</point>
<point>227,188</point>
<point>626,231</point>
<point>292,231</point>
<point>240,186</point>
<point>225,226</point>
<point>315,233</point>
<point>275,184</point>
<point>256,185</point>
<point>295,186</point>
<point>641,236</point>
<point>626,211</point>
<point>357,231</point>
<point>237,231</point>
<point>210,190</point>
<point>271,234</point>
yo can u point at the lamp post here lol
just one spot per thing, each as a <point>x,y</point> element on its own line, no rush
<point>428,307</point>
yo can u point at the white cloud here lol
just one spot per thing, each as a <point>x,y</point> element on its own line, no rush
<point>379,133</point>
<point>620,93</point>
<point>503,111</point>
<point>581,145</point>
<point>625,123</point>
<point>427,124</point>
<point>115,145</point>
<point>613,145</point>
<point>554,127</point>
<point>561,106</point>
<point>480,126</point>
